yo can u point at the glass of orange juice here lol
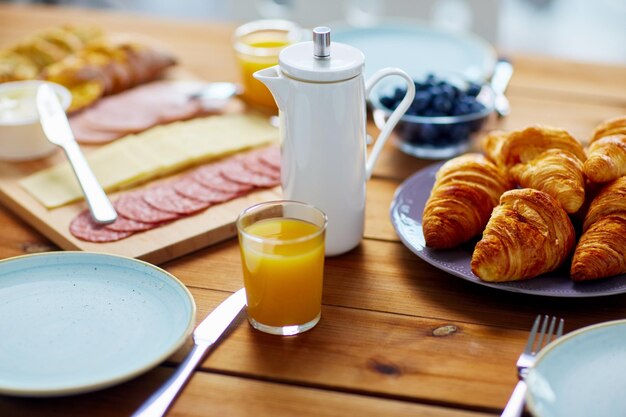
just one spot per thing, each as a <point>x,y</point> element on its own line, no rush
<point>257,45</point>
<point>282,253</point>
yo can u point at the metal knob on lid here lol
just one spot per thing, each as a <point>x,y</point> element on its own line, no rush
<point>321,42</point>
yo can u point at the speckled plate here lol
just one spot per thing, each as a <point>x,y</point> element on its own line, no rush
<point>73,322</point>
<point>406,213</point>
<point>581,374</point>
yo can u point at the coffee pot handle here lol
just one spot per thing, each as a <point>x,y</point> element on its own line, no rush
<point>386,129</point>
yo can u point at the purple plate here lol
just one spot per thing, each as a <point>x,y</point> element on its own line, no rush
<point>406,212</point>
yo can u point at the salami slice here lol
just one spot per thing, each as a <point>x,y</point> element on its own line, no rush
<point>239,173</point>
<point>188,187</point>
<point>83,227</point>
<point>271,157</point>
<point>164,197</point>
<point>210,176</point>
<point>132,206</point>
<point>123,224</point>
<point>253,164</point>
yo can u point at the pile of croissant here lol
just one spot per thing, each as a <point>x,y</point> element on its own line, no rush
<point>526,194</point>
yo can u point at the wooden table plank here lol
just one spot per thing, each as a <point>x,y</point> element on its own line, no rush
<point>222,395</point>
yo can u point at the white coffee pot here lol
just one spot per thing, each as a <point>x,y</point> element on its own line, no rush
<point>321,92</point>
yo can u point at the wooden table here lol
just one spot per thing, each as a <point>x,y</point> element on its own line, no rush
<point>398,337</point>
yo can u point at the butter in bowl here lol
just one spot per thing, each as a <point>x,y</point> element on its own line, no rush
<point>21,135</point>
<point>442,118</point>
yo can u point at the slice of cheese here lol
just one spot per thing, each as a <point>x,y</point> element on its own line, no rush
<point>157,152</point>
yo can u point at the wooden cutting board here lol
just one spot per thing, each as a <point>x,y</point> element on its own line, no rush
<point>156,246</point>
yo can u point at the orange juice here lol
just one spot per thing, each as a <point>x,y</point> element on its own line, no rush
<point>255,92</point>
<point>257,45</point>
<point>283,271</point>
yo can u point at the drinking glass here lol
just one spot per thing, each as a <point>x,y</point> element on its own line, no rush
<point>257,45</point>
<point>282,254</point>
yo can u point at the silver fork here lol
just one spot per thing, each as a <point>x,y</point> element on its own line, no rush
<point>515,406</point>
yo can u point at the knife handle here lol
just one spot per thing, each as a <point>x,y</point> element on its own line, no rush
<point>162,399</point>
<point>100,207</point>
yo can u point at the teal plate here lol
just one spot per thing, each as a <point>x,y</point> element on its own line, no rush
<point>419,49</point>
<point>581,374</point>
<point>73,322</point>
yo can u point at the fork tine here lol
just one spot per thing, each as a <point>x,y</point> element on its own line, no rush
<point>544,326</point>
<point>559,331</point>
<point>550,335</point>
<point>531,336</point>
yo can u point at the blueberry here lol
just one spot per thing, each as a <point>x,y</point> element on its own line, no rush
<point>473,89</point>
<point>435,90</point>
<point>399,94</point>
<point>442,103</point>
<point>449,91</point>
<point>420,86</point>
<point>461,108</point>
<point>387,102</point>
<point>421,101</point>
<point>476,107</point>
<point>431,79</point>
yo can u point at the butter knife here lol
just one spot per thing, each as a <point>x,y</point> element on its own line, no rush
<point>205,335</point>
<point>57,128</point>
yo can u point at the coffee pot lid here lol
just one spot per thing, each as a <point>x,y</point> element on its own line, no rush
<point>321,61</point>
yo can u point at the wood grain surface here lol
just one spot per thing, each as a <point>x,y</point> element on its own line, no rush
<point>397,336</point>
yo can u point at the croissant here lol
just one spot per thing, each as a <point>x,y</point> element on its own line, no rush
<point>610,127</point>
<point>492,145</point>
<point>610,200</point>
<point>528,234</point>
<point>606,158</point>
<point>466,190</point>
<point>525,145</point>
<point>601,250</point>
<point>556,172</point>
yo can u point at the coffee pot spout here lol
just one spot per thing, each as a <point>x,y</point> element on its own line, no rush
<point>276,83</point>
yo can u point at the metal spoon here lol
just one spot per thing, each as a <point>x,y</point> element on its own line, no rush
<point>502,73</point>
<point>216,91</point>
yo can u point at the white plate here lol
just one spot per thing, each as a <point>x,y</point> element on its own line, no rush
<point>582,374</point>
<point>419,49</point>
<point>74,322</point>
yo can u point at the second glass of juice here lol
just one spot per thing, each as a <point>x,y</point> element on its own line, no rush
<point>282,254</point>
<point>257,45</point>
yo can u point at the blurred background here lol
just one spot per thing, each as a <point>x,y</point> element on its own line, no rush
<point>580,30</point>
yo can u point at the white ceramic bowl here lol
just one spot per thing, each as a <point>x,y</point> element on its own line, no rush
<point>21,135</point>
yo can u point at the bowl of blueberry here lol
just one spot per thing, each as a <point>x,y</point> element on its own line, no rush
<point>442,117</point>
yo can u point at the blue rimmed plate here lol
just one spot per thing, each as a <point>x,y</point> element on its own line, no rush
<point>418,49</point>
<point>581,374</point>
<point>74,322</point>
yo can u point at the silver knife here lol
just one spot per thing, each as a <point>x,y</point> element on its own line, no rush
<point>57,128</point>
<point>205,335</point>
